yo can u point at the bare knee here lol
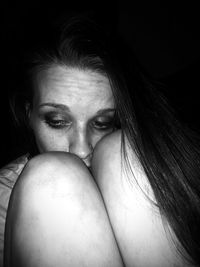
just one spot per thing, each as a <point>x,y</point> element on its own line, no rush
<point>48,191</point>
<point>55,179</point>
<point>56,206</point>
<point>50,168</point>
<point>48,179</point>
<point>107,155</point>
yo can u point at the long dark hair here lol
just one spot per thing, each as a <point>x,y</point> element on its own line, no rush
<point>169,153</point>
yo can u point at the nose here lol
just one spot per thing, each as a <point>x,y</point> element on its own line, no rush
<point>81,146</point>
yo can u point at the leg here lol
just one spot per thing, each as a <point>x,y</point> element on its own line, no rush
<point>137,224</point>
<point>56,217</point>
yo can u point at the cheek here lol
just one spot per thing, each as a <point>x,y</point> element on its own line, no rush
<point>50,140</point>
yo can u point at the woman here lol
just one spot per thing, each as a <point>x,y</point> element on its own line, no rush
<point>138,202</point>
<point>67,103</point>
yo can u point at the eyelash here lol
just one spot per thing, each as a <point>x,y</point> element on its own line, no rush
<point>57,124</point>
<point>103,126</point>
<point>61,124</point>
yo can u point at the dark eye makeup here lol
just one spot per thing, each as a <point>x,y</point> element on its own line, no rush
<point>58,121</point>
<point>103,123</point>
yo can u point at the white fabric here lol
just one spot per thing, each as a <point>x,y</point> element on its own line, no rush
<point>8,177</point>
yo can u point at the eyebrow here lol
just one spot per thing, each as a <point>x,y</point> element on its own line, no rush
<point>54,105</point>
<point>66,108</point>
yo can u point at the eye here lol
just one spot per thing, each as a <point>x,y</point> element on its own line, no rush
<point>103,124</point>
<point>57,122</point>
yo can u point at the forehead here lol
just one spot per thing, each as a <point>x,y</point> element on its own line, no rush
<point>71,85</point>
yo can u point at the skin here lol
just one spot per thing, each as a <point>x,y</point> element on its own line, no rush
<point>72,111</point>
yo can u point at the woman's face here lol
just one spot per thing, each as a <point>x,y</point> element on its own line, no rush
<point>72,110</point>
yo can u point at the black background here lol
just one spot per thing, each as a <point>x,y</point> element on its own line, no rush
<point>165,38</point>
